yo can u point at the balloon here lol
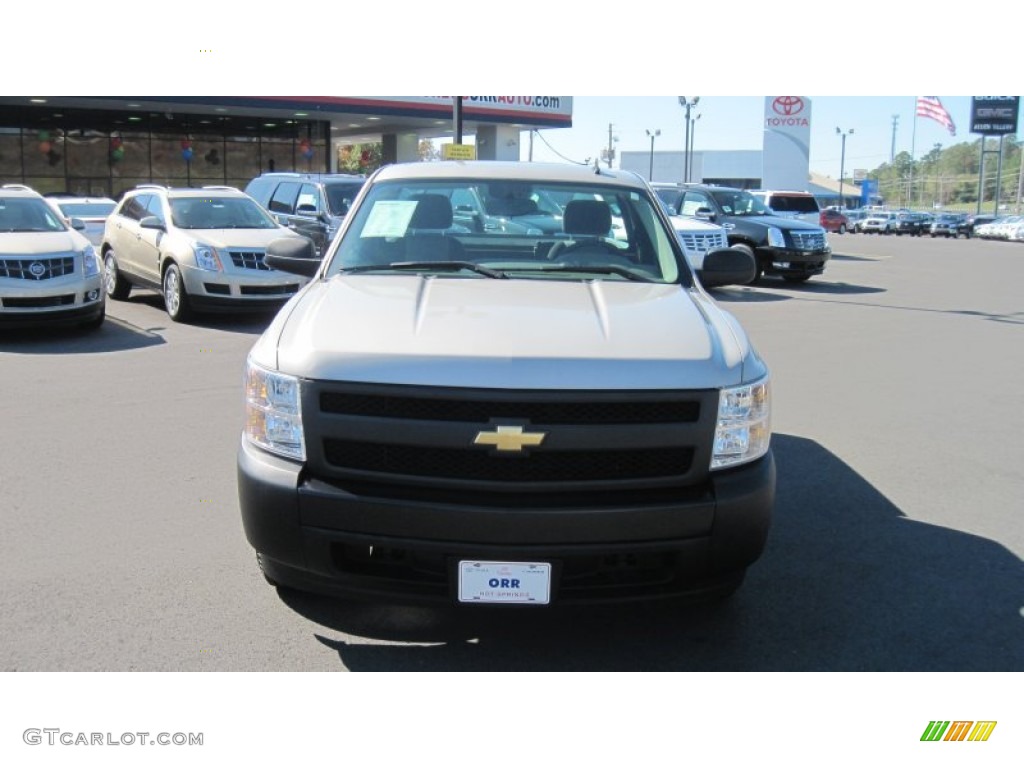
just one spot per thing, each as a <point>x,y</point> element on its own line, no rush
<point>117,154</point>
<point>45,147</point>
<point>187,153</point>
<point>44,135</point>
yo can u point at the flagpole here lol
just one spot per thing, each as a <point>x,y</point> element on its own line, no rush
<point>913,142</point>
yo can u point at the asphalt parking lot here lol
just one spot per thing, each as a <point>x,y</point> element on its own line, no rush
<point>897,540</point>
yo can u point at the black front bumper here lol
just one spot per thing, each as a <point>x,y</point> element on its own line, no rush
<point>797,263</point>
<point>321,537</point>
<point>73,315</point>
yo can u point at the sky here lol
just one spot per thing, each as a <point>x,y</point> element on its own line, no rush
<point>737,122</point>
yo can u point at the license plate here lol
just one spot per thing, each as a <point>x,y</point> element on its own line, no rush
<point>491,582</point>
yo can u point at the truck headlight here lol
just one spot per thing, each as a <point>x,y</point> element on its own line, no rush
<point>744,424</point>
<point>207,258</point>
<point>776,238</point>
<point>90,262</point>
<point>273,412</point>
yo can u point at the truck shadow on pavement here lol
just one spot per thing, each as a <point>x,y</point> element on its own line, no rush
<point>847,583</point>
<point>764,290</point>
<point>113,336</point>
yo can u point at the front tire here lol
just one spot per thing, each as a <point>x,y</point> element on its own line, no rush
<point>842,229</point>
<point>175,297</point>
<point>115,285</point>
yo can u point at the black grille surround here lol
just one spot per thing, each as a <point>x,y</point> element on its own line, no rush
<point>397,439</point>
<point>42,268</point>
<point>249,260</point>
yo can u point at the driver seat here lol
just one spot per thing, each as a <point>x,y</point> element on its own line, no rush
<point>583,220</point>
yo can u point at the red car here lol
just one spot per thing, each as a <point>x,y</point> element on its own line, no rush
<point>834,221</point>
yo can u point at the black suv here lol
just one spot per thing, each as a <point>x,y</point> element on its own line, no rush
<point>792,249</point>
<point>312,204</point>
<point>910,223</point>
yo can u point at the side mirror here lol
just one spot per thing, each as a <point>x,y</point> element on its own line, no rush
<point>727,266</point>
<point>153,222</point>
<point>295,255</point>
<point>306,210</point>
<point>77,224</point>
<point>704,214</point>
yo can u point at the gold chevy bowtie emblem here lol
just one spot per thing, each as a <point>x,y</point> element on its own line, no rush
<point>510,438</point>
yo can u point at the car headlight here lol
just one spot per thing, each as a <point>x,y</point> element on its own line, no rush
<point>90,261</point>
<point>207,258</point>
<point>273,412</point>
<point>744,427</point>
<point>775,238</point>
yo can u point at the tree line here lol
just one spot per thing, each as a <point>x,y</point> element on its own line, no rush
<point>948,176</point>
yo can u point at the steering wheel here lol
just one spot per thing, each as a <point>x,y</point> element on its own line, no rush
<point>561,248</point>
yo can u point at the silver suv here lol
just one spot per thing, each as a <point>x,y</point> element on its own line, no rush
<point>202,248</point>
<point>506,416</point>
<point>49,272</point>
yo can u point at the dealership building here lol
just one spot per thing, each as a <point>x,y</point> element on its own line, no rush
<point>104,145</point>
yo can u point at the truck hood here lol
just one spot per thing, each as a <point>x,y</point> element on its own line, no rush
<point>782,222</point>
<point>529,334</point>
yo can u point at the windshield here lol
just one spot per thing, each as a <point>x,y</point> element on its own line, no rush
<point>28,215</point>
<point>736,202</point>
<point>87,210</point>
<point>219,213</point>
<point>510,229</point>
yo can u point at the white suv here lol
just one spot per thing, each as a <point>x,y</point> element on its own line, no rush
<point>202,248</point>
<point>49,272</point>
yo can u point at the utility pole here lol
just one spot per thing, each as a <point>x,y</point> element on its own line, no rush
<point>1020,177</point>
<point>892,148</point>
<point>611,147</point>
<point>842,165</point>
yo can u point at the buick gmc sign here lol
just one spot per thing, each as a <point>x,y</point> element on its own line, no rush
<point>994,115</point>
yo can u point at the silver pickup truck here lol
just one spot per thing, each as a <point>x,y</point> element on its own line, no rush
<point>511,415</point>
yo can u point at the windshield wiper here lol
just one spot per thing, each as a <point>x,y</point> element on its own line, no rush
<point>438,266</point>
<point>603,269</point>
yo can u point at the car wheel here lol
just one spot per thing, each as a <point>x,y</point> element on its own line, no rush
<point>115,285</point>
<point>175,298</point>
<point>842,229</point>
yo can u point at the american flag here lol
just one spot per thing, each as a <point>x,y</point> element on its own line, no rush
<point>930,106</point>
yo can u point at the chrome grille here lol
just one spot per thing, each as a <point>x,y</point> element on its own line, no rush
<point>702,241</point>
<point>248,260</point>
<point>809,241</point>
<point>37,269</point>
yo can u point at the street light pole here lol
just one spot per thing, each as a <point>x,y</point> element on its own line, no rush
<point>687,105</point>
<point>652,134</point>
<point>842,164</point>
<point>693,137</point>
